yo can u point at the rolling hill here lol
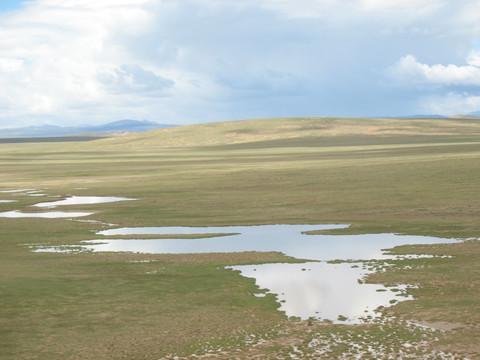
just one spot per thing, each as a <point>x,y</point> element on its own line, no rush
<point>300,131</point>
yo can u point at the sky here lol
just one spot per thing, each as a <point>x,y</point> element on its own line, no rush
<point>72,62</point>
<point>8,5</point>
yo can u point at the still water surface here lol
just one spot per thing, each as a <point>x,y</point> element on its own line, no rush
<point>72,200</point>
<point>44,215</point>
<point>323,290</point>
<point>288,239</point>
<point>81,200</point>
<point>312,289</point>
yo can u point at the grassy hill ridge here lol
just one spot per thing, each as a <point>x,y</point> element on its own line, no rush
<point>255,130</point>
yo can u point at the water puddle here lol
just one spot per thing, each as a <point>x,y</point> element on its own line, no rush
<point>95,222</point>
<point>15,191</point>
<point>24,192</point>
<point>317,289</point>
<point>288,239</point>
<point>322,290</point>
<point>81,200</point>
<point>72,200</point>
<point>46,215</point>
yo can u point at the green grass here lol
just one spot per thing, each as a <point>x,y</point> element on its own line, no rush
<point>380,175</point>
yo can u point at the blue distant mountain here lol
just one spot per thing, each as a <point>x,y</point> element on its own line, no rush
<point>472,115</point>
<point>122,126</point>
<point>428,116</point>
<point>416,116</point>
<point>475,113</point>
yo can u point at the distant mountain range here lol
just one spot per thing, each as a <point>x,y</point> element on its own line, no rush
<point>422,116</point>
<point>110,129</point>
<point>121,127</point>
<point>472,116</point>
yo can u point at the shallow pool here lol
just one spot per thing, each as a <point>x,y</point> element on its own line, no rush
<point>288,239</point>
<point>318,289</point>
<point>72,200</point>
<point>45,215</point>
<point>81,200</point>
<point>323,290</point>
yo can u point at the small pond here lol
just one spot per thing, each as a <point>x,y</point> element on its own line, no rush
<point>81,200</point>
<point>317,288</point>
<point>24,192</point>
<point>15,191</point>
<point>72,200</point>
<point>44,215</point>
<point>323,290</point>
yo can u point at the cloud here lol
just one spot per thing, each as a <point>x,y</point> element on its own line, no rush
<point>441,89</point>
<point>409,70</point>
<point>11,65</point>
<point>52,52</point>
<point>134,79</point>
<point>355,10</point>
<point>474,59</point>
<point>451,104</point>
<point>184,61</point>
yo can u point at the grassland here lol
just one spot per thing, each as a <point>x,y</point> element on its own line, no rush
<point>415,176</point>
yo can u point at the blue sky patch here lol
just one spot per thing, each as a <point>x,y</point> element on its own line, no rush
<point>9,5</point>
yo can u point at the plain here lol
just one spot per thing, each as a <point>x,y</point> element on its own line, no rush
<point>415,176</point>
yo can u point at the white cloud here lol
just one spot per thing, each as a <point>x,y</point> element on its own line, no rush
<point>11,65</point>
<point>451,104</point>
<point>474,59</point>
<point>467,15</point>
<point>353,10</point>
<point>181,61</point>
<point>57,49</point>
<point>409,70</point>
<point>418,6</point>
<point>134,78</point>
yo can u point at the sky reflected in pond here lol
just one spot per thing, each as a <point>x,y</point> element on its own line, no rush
<point>45,215</point>
<point>72,200</point>
<point>321,290</point>
<point>81,200</point>
<point>312,289</point>
<point>288,239</point>
<point>15,190</point>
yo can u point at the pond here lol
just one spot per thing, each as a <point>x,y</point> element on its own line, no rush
<point>316,288</point>
<point>45,215</point>
<point>15,191</point>
<point>24,192</point>
<point>81,200</point>
<point>72,200</point>
<point>288,239</point>
<point>323,290</point>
